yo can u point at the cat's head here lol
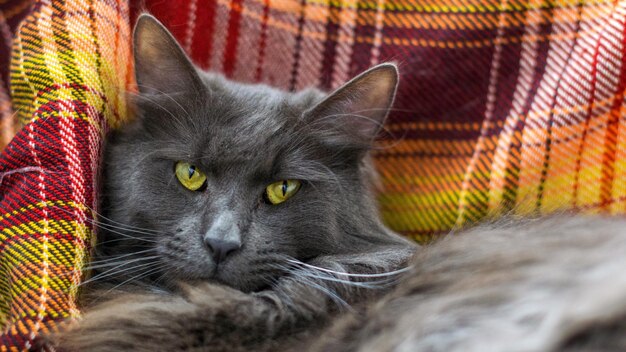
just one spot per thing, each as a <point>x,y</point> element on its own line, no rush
<point>228,180</point>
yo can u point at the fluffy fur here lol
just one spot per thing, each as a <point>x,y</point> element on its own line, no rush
<point>243,137</point>
<point>310,273</point>
<point>554,284</point>
<point>294,264</point>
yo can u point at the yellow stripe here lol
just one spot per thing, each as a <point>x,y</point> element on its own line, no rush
<point>37,227</point>
<point>34,282</point>
<point>51,203</point>
<point>441,7</point>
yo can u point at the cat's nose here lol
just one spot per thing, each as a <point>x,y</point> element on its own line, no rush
<point>223,237</point>
<point>221,248</point>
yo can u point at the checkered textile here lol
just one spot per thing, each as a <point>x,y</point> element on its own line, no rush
<point>11,14</point>
<point>69,72</point>
<point>504,106</point>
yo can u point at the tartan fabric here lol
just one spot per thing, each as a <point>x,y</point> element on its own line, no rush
<point>11,14</point>
<point>504,106</point>
<point>69,73</point>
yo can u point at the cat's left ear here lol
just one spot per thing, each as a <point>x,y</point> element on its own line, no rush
<point>355,112</point>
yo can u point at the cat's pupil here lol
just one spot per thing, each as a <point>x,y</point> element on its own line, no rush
<point>284,189</point>
<point>192,169</point>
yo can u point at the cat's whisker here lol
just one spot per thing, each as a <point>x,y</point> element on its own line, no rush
<point>161,277</point>
<point>142,245</point>
<point>112,271</point>
<point>340,302</point>
<point>109,262</point>
<point>326,276</point>
<point>128,236</point>
<point>98,266</point>
<point>126,262</point>
<point>118,257</point>
<point>389,273</point>
<point>128,227</point>
<point>121,226</point>
<point>114,229</point>
<point>368,284</point>
<point>298,276</point>
<point>140,276</point>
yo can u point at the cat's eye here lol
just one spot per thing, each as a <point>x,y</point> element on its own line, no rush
<point>190,177</point>
<point>280,191</point>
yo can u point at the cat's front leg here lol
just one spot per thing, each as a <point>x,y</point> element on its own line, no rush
<point>205,317</point>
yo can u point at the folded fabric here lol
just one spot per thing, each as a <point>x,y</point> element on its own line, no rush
<point>503,107</point>
<point>70,69</point>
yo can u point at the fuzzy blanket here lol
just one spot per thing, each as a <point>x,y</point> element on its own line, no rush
<point>504,106</point>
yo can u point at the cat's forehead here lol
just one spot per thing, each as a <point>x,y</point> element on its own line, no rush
<point>249,124</point>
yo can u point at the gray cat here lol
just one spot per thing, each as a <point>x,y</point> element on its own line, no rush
<point>252,200</point>
<point>239,218</point>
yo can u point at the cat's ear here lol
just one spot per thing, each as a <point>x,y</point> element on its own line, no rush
<point>161,65</point>
<point>355,112</point>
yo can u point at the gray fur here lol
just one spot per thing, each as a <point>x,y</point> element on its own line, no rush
<point>243,137</point>
<point>311,271</point>
<point>299,261</point>
<point>553,284</point>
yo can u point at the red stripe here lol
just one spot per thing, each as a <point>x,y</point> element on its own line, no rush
<point>610,140</point>
<point>205,21</point>
<point>330,47</point>
<point>263,41</point>
<point>298,47</point>
<point>233,37</point>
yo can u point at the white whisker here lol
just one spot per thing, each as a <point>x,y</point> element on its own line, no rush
<point>369,284</point>
<point>139,276</point>
<point>118,257</point>
<point>112,271</point>
<point>389,273</point>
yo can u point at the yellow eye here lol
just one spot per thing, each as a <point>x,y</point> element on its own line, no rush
<point>189,176</point>
<point>280,191</point>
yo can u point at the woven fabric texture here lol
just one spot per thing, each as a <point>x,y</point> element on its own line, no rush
<point>11,15</point>
<point>69,72</point>
<point>504,106</point>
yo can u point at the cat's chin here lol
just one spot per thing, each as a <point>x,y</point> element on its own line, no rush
<point>239,281</point>
<point>227,274</point>
<point>243,288</point>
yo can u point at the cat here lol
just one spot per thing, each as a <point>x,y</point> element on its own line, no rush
<point>316,271</point>
<point>254,201</point>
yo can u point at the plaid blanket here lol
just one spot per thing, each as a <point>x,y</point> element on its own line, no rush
<point>510,106</point>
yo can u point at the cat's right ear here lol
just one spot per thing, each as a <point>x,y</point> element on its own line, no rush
<point>161,65</point>
<point>353,114</point>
